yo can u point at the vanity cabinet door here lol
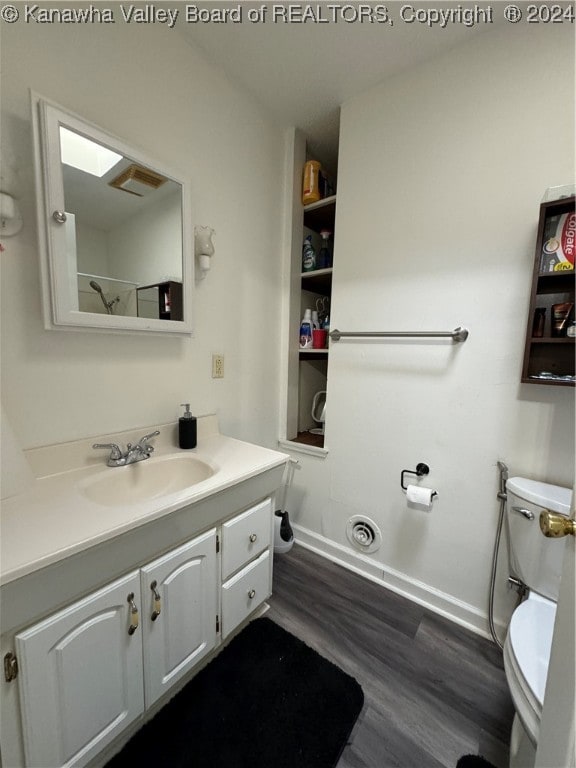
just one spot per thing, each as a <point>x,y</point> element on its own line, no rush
<point>81,676</point>
<point>179,593</point>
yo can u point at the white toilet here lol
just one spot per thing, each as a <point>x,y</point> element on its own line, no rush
<point>537,562</point>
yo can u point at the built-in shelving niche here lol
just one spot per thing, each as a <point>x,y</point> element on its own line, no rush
<point>307,369</point>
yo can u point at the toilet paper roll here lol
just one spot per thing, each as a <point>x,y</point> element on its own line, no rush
<point>416,494</point>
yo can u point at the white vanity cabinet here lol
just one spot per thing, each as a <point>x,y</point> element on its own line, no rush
<point>91,669</point>
<point>246,564</point>
<point>81,676</point>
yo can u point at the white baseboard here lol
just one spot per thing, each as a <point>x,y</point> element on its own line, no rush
<point>446,605</point>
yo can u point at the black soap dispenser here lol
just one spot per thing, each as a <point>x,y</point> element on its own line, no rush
<point>187,428</point>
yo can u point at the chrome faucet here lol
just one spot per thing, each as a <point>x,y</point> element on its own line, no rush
<point>133,453</point>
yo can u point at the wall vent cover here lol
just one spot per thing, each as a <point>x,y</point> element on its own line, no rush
<point>363,534</point>
<point>138,180</point>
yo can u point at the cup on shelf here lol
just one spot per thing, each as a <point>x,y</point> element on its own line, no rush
<point>319,336</point>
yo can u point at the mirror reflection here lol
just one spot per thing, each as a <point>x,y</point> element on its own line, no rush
<point>123,232</point>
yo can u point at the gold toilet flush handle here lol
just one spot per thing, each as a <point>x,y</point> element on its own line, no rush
<point>554,525</point>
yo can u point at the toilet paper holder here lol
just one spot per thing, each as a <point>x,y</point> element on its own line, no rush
<point>421,469</point>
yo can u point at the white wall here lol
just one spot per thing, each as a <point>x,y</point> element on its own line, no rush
<point>150,243</point>
<point>147,86</point>
<point>91,249</point>
<point>441,174</point>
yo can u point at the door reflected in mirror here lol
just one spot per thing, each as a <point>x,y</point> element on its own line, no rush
<point>118,242</point>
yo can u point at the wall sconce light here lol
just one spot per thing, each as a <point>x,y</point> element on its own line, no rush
<point>10,219</point>
<point>203,248</point>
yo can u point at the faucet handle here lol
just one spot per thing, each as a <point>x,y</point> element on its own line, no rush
<point>143,442</point>
<point>143,446</point>
<point>115,452</point>
<point>149,437</point>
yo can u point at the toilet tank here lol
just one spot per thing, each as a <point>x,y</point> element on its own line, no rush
<point>535,559</point>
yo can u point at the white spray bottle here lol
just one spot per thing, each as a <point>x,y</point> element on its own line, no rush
<point>306,330</point>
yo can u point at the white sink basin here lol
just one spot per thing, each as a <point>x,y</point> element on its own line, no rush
<point>148,479</point>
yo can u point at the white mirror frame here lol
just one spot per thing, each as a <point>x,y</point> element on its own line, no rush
<point>59,311</point>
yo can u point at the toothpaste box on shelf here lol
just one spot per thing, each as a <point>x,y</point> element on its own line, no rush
<point>559,244</point>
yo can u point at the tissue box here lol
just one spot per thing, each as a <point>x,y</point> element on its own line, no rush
<point>558,244</point>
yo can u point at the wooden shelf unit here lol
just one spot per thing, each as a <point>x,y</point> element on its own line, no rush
<point>549,353</point>
<point>169,302</point>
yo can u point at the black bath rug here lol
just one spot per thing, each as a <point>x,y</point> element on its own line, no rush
<point>473,761</point>
<point>266,701</point>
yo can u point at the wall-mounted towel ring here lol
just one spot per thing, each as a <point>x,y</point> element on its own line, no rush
<point>421,469</point>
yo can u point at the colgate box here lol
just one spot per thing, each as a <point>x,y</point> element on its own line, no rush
<point>559,244</point>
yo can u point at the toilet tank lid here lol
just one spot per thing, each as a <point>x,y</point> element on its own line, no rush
<point>552,497</point>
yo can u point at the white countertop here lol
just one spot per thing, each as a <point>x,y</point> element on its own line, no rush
<point>52,519</point>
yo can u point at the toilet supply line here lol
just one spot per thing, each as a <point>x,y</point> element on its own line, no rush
<point>503,471</point>
<point>513,582</point>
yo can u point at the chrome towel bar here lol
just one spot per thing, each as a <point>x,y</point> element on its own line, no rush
<point>458,334</point>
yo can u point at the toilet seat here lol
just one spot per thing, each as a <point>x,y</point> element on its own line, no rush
<point>526,658</point>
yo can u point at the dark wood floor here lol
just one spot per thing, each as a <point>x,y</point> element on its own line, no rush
<point>433,690</point>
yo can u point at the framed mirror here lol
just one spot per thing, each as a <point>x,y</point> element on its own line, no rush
<point>115,231</point>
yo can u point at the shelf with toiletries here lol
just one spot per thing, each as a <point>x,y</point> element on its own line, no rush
<point>315,281</point>
<point>320,281</point>
<point>317,254</point>
<point>321,213</point>
<point>312,214</point>
<point>316,274</point>
<point>550,343</point>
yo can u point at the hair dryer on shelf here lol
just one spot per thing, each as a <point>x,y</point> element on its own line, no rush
<point>319,412</point>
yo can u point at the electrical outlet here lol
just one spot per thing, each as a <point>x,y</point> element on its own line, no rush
<point>217,366</point>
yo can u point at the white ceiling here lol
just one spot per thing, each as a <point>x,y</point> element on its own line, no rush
<point>303,72</point>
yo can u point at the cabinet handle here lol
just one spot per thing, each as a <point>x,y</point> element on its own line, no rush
<point>10,667</point>
<point>253,537</point>
<point>133,614</point>
<point>59,217</point>
<point>252,594</point>
<point>157,601</point>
